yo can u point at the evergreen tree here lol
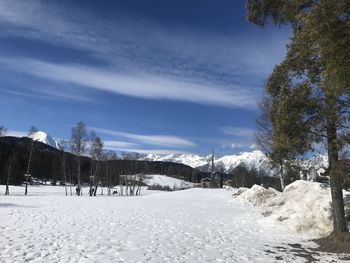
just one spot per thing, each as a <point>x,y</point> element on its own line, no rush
<point>310,89</point>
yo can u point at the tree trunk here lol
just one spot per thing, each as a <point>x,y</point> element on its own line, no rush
<point>281,177</point>
<point>339,224</point>
<point>7,191</point>
<point>79,178</point>
<point>64,173</point>
<point>28,167</point>
<point>97,179</point>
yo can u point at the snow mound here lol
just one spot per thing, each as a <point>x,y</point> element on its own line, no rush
<point>166,181</point>
<point>257,195</point>
<point>304,207</point>
<point>43,137</point>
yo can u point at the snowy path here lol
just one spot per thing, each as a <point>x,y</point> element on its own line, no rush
<point>197,225</point>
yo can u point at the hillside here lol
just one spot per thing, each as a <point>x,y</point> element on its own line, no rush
<point>46,164</point>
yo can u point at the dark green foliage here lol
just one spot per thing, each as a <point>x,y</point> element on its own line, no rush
<point>46,165</point>
<point>241,177</point>
<point>310,89</point>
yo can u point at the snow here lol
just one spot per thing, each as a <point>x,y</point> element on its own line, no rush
<point>195,225</point>
<point>304,207</point>
<point>251,160</point>
<point>43,137</point>
<point>256,160</point>
<point>166,181</point>
<point>258,195</point>
<point>192,160</point>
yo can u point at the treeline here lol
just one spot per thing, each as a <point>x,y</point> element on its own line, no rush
<point>242,177</point>
<point>46,165</point>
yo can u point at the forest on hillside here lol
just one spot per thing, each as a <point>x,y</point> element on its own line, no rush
<point>47,165</point>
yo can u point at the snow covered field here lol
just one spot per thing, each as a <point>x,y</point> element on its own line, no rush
<point>166,181</point>
<point>195,225</point>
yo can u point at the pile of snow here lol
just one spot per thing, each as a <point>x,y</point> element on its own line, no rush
<point>304,207</point>
<point>257,195</point>
<point>166,181</point>
<point>43,137</point>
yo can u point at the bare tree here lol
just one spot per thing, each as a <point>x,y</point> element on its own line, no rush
<point>31,132</point>
<point>62,147</point>
<point>96,148</point>
<point>78,143</point>
<point>3,131</point>
<point>108,157</point>
<point>7,191</point>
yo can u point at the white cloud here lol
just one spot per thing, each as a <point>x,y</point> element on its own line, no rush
<point>236,145</point>
<point>148,151</point>
<point>17,133</point>
<point>184,65</point>
<point>49,94</point>
<point>238,131</point>
<point>253,146</point>
<point>108,144</point>
<point>138,85</point>
<point>159,140</point>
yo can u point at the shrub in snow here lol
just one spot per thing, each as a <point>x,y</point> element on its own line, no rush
<point>160,187</point>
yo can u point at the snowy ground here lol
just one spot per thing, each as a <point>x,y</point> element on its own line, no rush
<point>196,225</point>
<point>166,181</point>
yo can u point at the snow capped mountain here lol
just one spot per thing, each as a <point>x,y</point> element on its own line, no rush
<point>43,137</point>
<point>192,160</point>
<point>256,160</point>
<point>251,160</point>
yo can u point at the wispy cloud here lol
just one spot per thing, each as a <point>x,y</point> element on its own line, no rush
<point>49,94</point>
<point>137,85</point>
<point>148,151</point>
<point>149,62</point>
<point>17,133</point>
<point>158,140</point>
<point>115,145</point>
<point>238,131</point>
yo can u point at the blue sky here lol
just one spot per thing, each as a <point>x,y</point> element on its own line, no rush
<point>148,76</point>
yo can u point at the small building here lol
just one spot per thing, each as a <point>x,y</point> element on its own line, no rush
<point>205,182</point>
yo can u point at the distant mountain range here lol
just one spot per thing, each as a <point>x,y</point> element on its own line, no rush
<point>256,160</point>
